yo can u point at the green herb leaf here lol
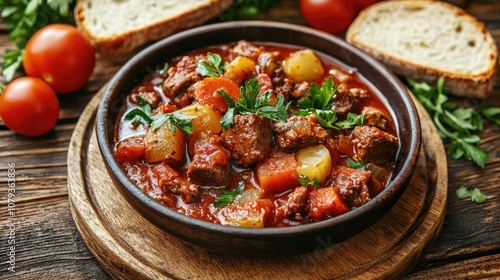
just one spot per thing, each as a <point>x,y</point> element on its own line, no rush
<point>227,197</point>
<point>214,67</point>
<point>246,9</point>
<point>319,104</point>
<point>475,194</point>
<point>351,121</point>
<point>304,181</point>
<point>491,113</point>
<point>251,103</point>
<point>319,97</point>
<point>164,69</point>
<point>453,122</point>
<point>360,164</point>
<point>13,60</point>
<point>144,115</point>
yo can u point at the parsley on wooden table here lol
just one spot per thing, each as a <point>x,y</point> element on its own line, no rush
<point>319,104</point>
<point>246,9</point>
<point>251,103</point>
<point>457,124</point>
<point>144,115</point>
<point>23,19</point>
<point>467,192</point>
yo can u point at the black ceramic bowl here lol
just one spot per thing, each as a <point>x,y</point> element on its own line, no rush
<point>262,241</point>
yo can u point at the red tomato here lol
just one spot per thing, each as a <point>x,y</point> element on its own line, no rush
<point>362,4</point>
<point>60,55</point>
<point>328,15</point>
<point>29,106</point>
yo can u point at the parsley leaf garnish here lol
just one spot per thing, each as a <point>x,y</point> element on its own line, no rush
<point>351,121</point>
<point>214,67</point>
<point>144,115</point>
<point>454,122</point>
<point>226,197</point>
<point>475,194</point>
<point>304,181</point>
<point>360,164</point>
<point>319,104</point>
<point>251,103</point>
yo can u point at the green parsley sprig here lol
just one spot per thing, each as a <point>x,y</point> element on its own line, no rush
<point>467,192</point>
<point>23,19</point>
<point>144,115</point>
<point>251,103</point>
<point>319,104</point>
<point>360,164</point>
<point>214,67</point>
<point>227,197</point>
<point>305,182</point>
<point>455,123</point>
<point>246,9</point>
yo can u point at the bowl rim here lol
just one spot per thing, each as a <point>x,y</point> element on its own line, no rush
<point>395,184</point>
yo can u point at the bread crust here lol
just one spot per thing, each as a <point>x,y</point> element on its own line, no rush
<point>465,85</point>
<point>129,40</point>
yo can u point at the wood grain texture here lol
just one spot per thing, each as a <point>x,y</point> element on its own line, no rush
<point>50,247</point>
<point>127,245</point>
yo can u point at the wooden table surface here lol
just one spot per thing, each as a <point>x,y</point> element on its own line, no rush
<point>48,245</point>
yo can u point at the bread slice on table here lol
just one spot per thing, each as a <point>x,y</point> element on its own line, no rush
<point>121,26</point>
<point>423,40</point>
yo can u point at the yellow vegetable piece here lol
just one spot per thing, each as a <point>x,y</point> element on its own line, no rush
<point>314,162</point>
<point>163,145</point>
<point>239,69</point>
<point>303,65</point>
<point>207,119</point>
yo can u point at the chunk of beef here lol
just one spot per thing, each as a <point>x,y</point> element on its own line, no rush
<point>210,161</point>
<point>375,118</point>
<point>353,185</point>
<point>348,99</point>
<point>246,49</point>
<point>295,203</point>
<point>180,77</point>
<point>374,145</point>
<point>170,181</point>
<point>151,97</point>
<point>301,90</point>
<point>249,139</point>
<point>267,63</point>
<point>299,132</point>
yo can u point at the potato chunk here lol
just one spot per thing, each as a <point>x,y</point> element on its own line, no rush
<point>163,145</point>
<point>207,119</point>
<point>239,69</point>
<point>303,65</point>
<point>314,162</point>
<point>253,214</point>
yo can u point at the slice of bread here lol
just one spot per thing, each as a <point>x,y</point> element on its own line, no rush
<point>121,26</point>
<point>423,40</point>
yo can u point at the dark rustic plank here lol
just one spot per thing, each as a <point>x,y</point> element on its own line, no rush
<point>48,246</point>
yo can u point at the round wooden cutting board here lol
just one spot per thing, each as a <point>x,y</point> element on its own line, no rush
<point>129,247</point>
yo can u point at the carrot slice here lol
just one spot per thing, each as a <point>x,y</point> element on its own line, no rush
<point>206,92</point>
<point>130,149</point>
<point>278,173</point>
<point>326,202</point>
